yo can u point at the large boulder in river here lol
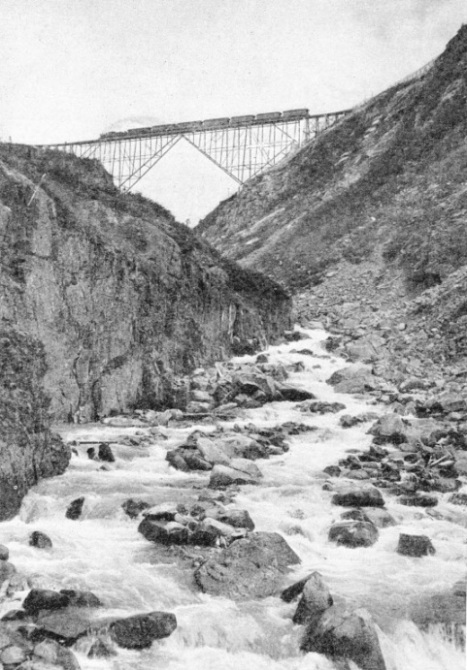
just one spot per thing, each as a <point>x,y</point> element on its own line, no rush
<point>140,631</point>
<point>240,471</point>
<point>315,599</point>
<point>354,533</point>
<point>164,532</point>
<point>353,379</point>
<point>358,496</point>
<point>415,545</point>
<point>348,636</point>
<point>44,599</point>
<point>65,626</point>
<point>249,568</point>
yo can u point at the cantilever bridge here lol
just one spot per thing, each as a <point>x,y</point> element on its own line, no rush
<point>241,146</point>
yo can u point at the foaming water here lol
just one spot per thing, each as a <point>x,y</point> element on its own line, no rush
<point>104,553</point>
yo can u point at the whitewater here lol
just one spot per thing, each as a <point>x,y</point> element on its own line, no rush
<point>102,552</point>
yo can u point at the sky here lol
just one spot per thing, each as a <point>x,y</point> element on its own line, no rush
<point>73,69</point>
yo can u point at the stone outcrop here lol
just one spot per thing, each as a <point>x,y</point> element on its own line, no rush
<point>124,300</point>
<point>28,450</point>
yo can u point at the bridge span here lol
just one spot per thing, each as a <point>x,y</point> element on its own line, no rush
<point>241,146</point>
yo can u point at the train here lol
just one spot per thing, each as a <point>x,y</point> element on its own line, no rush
<point>210,124</point>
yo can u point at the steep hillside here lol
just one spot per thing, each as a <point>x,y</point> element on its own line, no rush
<point>122,297</point>
<point>387,185</point>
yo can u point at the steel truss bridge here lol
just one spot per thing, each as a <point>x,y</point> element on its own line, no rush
<point>241,146</point>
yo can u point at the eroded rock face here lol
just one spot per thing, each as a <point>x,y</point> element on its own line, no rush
<point>129,300</point>
<point>28,449</point>
<point>250,568</point>
<point>140,631</point>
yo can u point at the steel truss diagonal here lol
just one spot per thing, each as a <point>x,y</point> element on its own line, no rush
<point>242,146</point>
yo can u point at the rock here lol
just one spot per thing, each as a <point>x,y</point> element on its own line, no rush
<point>134,507</point>
<point>362,496</point>
<point>105,453</point>
<point>43,599</point>
<point>379,517</point>
<point>238,518</point>
<point>51,652</point>
<point>222,476</point>
<point>249,568</point>
<point>40,540</point>
<point>164,532</point>
<point>332,470</point>
<point>294,394</point>
<point>246,466</point>
<point>163,512</point>
<point>4,553</point>
<point>75,508</point>
<point>351,636</point>
<point>81,598</point>
<point>292,592</point>
<point>315,599</point>
<point>140,631</point>
<point>390,428</point>
<point>458,499</point>
<point>194,460</point>
<point>353,533</point>
<point>212,453</point>
<point>176,460</point>
<point>12,655</point>
<point>452,402</point>
<point>415,545</point>
<point>65,626</point>
<point>14,615</point>
<point>419,500</point>
<point>322,407</point>
<point>353,379</point>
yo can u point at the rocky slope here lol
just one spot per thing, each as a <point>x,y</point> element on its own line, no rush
<point>105,303</point>
<point>371,215</point>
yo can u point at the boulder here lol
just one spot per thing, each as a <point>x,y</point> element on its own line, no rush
<point>390,428</point>
<point>164,532</point>
<point>134,507</point>
<point>75,509</point>
<point>353,379</point>
<point>353,533</point>
<point>415,545</point>
<point>12,655</point>
<point>81,598</point>
<point>379,517</point>
<point>105,453</point>
<point>65,626</point>
<point>174,458</point>
<point>294,394</point>
<point>44,599</point>
<point>358,496</point>
<point>322,407</point>
<point>222,476</point>
<point>166,511</point>
<point>4,553</point>
<point>238,518</point>
<point>458,499</point>
<point>352,636</point>
<point>140,631</point>
<point>419,500</point>
<point>40,540</point>
<point>212,453</point>
<point>315,599</point>
<point>50,652</point>
<point>249,568</point>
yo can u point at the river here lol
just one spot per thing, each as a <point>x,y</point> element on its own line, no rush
<point>103,552</point>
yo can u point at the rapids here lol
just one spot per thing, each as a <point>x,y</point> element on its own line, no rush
<point>103,552</point>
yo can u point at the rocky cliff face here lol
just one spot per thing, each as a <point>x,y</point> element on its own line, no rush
<point>28,449</point>
<point>122,297</point>
<point>105,303</point>
<point>385,184</point>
